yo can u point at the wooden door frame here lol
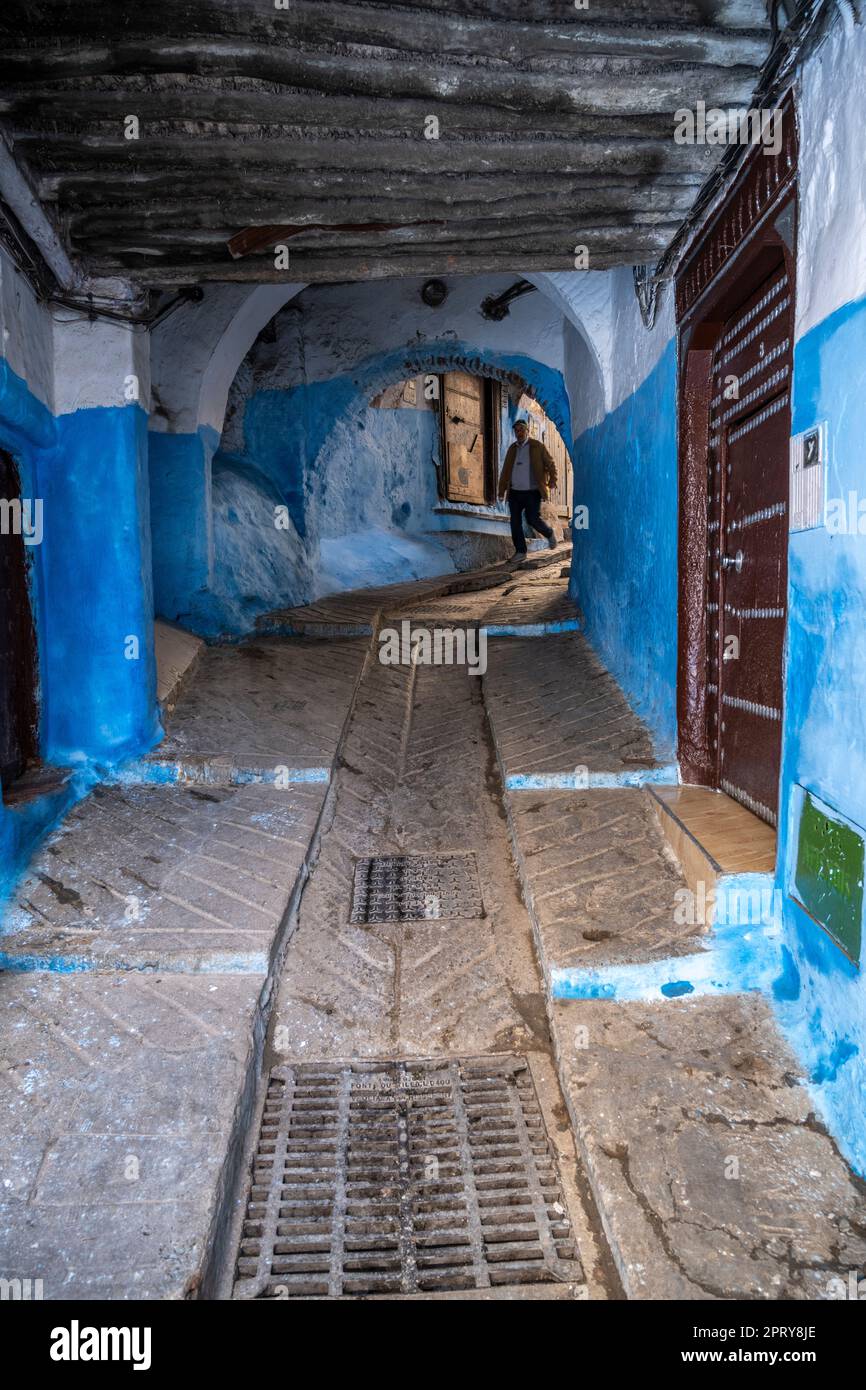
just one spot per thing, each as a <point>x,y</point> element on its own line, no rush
<point>25,716</point>
<point>754,227</point>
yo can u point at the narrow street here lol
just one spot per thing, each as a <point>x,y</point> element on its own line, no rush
<point>432,734</point>
<point>259,1069</point>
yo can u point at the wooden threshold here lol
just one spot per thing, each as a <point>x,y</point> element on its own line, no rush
<point>713,835</point>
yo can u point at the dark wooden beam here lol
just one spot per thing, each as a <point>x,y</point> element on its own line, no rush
<point>555,129</point>
<point>507,244</point>
<point>560,234</point>
<point>673,33</point>
<point>650,88</point>
<point>432,158</point>
<point>575,204</point>
<point>335,268</point>
<point>60,17</point>
<point>179,109</point>
<point>135,188</point>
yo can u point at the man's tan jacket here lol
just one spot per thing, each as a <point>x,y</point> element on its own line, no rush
<point>542,466</point>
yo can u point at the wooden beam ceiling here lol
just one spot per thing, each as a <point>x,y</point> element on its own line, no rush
<point>555,129</point>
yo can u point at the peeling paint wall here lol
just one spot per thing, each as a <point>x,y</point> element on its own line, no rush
<point>822,996</point>
<point>624,570</point>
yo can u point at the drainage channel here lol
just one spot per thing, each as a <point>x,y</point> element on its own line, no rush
<point>417,1176</point>
<point>404,1177</point>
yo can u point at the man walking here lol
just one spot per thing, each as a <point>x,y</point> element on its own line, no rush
<point>528,474</point>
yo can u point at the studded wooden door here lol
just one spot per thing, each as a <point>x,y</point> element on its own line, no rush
<point>747,532</point>
<point>18,744</point>
<point>463,435</point>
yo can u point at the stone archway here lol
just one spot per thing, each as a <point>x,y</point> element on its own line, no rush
<point>196,356</point>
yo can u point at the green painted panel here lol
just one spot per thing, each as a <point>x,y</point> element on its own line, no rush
<point>829,875</point>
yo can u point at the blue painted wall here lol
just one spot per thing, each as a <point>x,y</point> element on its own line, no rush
<point>359,484</point>
<point>624,570</point>
<point>95,589</point>
<point>822,1000</point>
<point>179,470</point>
<point>90,592</point>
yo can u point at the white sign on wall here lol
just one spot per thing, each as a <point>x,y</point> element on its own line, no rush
<point>808,472</point>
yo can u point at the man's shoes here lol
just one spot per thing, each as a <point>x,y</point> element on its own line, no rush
<point>552,543</point>
<point>517,558</point>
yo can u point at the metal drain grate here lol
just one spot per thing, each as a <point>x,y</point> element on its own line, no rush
<point>415,887</point>
<point>401,1178</point>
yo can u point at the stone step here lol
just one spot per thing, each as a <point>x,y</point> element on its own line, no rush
<point>177,652</point>
<point>713,1176</point>
<point>720,845</point>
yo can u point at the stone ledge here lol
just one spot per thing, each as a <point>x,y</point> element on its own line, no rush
<point>713,1177</point>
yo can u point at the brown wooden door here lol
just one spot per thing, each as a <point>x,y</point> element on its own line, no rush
<point>18,738</point>
<point>463,438</point>
<point>747,525</point>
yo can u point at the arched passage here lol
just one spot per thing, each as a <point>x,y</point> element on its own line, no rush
<point>296,435</point>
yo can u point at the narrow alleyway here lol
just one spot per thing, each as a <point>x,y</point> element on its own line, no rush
<point>256,1068</point>
<point>432,735</point>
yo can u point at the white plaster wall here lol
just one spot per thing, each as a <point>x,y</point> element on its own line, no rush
<point>25,330</point>
<point>604,308</point>
<point>235,343</point>
<point>583,381</point>
<point>68,361</point>
<point>95,364</point>
<point>637,349</point>
<point>832,213</point>
<point>584,299</point>
<point>349,323</point>
<point>197,349</point>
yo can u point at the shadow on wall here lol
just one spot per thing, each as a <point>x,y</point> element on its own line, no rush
<point>354,518</point>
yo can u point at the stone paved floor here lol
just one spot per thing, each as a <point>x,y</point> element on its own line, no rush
<point>164,878</point>
<point>555,708</point>
<point>525,596</point>
<point>358,611</point>
<point>261,705</point>
<point>418,776</point>
<point>713,1176</point>
<point>118,1093</point>
<point>599,877</point>
<point>188,936</point>
<point>138,957</point>
<point>431,986</point>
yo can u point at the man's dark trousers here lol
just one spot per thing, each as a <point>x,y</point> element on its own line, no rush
<point>528,501</point>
